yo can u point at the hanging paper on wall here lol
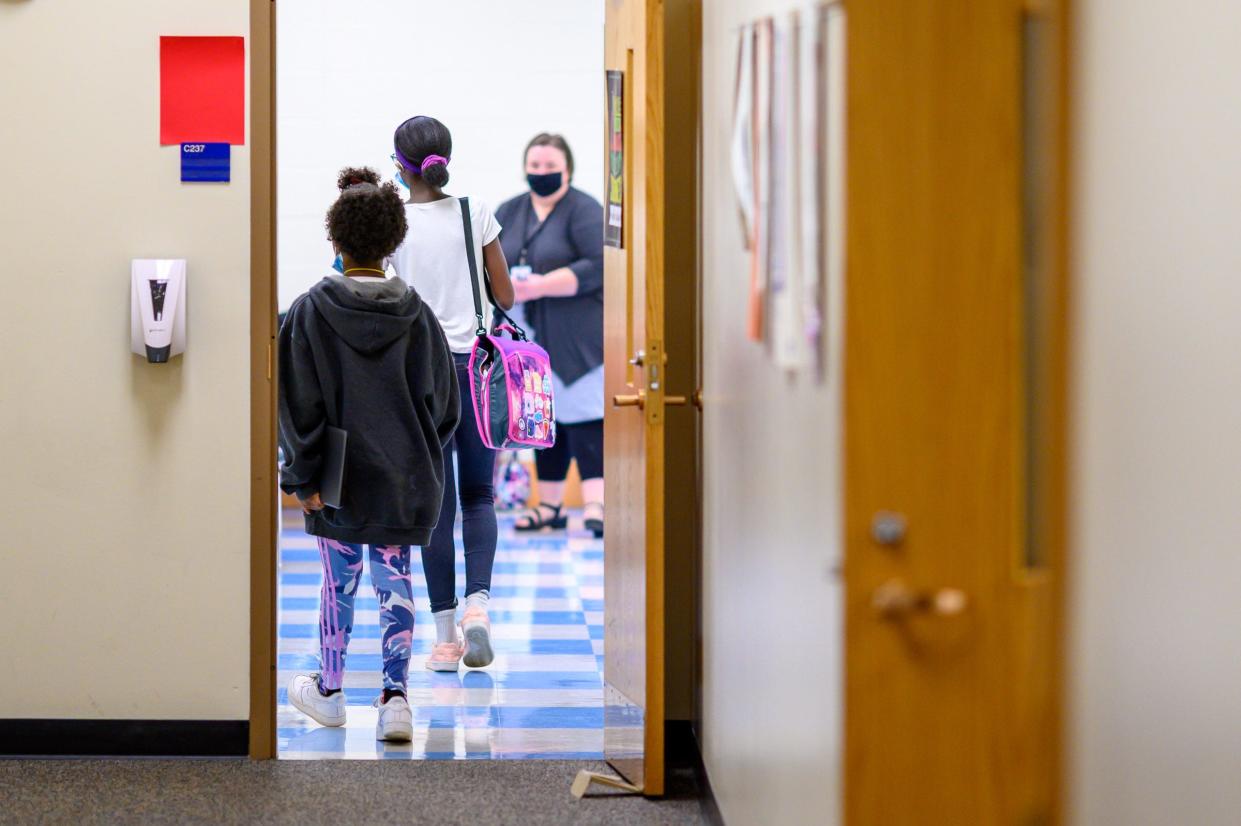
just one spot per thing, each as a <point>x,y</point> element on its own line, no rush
<point>834,94</point>
<point>613,235</point>
<point>742,154</point>
<point>786,334</point>
<point>759,255</point>
<point>202,90</point>
<point>205,162</point>
<point>786,157</point>
<point>811,149</point>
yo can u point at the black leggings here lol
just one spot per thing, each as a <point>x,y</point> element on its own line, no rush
<point>583,442</point>
<point>476,471</point>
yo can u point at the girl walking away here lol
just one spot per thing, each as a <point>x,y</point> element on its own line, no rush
<point>363,354</point>
<point>434,261</point>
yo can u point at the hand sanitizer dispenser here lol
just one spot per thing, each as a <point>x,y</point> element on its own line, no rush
<point>157,308</point>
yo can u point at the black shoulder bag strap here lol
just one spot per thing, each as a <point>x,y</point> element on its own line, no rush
<point>468,224</point>
<point>469,254</point>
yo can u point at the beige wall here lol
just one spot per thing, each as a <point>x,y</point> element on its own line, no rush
<point>1155,727</point>
<point>124,493</point>
<point>771,614</point>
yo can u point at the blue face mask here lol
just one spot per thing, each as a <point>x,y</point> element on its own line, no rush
<point>339,264</point>
<point>545,185</point>
<point>400,179</point>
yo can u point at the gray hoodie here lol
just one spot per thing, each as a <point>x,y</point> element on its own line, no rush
<point>369,358</point>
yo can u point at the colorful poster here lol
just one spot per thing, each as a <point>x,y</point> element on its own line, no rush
<point>202,90</point>
<point>613,235</point>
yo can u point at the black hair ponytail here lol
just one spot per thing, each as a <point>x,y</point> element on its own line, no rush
<point>425,144</point>
<point>436,174</point>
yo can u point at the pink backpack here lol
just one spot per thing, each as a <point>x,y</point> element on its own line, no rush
<point>510,377</point>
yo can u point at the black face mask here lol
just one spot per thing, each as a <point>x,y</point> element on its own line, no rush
<point>544,185</point>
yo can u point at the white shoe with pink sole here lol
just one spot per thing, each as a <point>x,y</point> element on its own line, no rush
<point>476,627</point>
<point>446,656</point>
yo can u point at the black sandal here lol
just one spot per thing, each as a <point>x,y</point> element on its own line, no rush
<point>595,524</point>
<point>535,521</point>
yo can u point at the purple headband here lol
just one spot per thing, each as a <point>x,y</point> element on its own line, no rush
<point>418,169</point>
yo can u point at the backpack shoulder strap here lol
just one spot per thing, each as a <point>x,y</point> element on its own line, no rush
<point>468,225</point>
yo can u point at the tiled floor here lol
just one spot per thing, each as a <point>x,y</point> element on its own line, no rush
<point>541,698</point>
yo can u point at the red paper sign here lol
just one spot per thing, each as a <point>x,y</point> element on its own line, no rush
<point>202,90</point>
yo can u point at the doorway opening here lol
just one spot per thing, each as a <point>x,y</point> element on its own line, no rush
<point>342,88</point>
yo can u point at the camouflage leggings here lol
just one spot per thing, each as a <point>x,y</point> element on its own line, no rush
<point>342,573</point>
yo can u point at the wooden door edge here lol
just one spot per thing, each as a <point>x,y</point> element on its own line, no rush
<point>263,500</point>
<point>655,250</point>
<point>1060,492</point>
<point>656,626</point>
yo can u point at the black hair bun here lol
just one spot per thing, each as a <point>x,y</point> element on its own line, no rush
<point>354,175</point>
<point>436,174</point>
<point>421,137</point>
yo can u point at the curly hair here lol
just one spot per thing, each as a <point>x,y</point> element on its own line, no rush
<point>367,222</point>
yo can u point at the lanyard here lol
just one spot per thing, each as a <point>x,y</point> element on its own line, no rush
<point>522,258</point>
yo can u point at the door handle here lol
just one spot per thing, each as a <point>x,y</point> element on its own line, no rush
<point>894,600</point>
<point>637,400</point>
<point>682,401</point>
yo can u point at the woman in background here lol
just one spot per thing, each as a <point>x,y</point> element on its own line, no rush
<point>553,237</point>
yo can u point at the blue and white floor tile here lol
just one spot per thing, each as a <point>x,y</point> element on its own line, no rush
<point>542,698</point>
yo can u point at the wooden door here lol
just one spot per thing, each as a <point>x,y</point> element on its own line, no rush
<point>644,354</point>
<point>953,397</point>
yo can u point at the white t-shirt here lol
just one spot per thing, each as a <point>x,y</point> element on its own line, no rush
<point>432,260</point>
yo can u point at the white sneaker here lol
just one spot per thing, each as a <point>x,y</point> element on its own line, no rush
<point>476,628</point>
<point>305,697</point>
<point>446,656</point>
<point>396,721</point>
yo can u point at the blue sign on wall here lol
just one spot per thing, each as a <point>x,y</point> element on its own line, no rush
<point>205,162</point>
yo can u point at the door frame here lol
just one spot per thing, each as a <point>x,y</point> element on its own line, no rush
<point>264,503</point>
